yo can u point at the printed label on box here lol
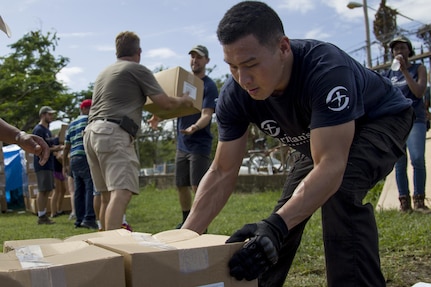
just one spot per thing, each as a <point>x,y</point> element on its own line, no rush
<point>191,89</point>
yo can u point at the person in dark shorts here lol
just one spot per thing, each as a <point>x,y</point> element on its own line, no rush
<point>194,137</point>
<point>45,173</point>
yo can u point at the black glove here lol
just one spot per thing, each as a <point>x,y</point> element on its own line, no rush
<point>261,251</point>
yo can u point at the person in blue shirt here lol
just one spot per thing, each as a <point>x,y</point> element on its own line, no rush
<point>83,183</point>
<point>411,79</point>
<point>194,138</point>
<point>348,122</point>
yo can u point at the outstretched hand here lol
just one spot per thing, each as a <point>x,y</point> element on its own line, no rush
<point>35,145</point>
<point>261,251</point>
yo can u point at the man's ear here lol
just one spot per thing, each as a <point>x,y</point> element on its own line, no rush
<point>284,45</point>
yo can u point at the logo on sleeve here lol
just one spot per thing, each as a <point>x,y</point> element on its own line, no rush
<point>337,100</point>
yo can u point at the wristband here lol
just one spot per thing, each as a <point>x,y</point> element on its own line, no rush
<point>19,135</point>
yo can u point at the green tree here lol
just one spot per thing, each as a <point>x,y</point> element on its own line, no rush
<point>28,80</point>
<point>72,111</point>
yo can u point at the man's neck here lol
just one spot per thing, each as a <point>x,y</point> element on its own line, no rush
<point>200,75</point>
<point>44,123</point>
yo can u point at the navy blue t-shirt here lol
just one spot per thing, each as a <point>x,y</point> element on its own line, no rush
<point>44,133</point>
<point>398,80</point>
<point>199,142</point>
<point>327,87</point>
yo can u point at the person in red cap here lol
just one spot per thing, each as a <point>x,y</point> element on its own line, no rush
<point>84,188</point>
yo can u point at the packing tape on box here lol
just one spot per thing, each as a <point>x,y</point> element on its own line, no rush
<point>146,239</point>
<point>31,257</point>
<point>48,277</point>
<point>192,260</point>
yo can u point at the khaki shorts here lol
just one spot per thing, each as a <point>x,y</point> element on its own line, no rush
<point>112,157</point>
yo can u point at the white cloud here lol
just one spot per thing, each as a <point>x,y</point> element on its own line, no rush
<point>76,35</point>
<point>302,6</point>
<point>66,74</point>
<point>106,48</point>
<point>163,53</point>
<point>317,34</point>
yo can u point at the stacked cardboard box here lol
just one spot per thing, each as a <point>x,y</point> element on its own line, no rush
<point>71,264</point>
<point>30,194</point>
<point>175,258</point>
<point>178,258</point>
<point>31,191</point>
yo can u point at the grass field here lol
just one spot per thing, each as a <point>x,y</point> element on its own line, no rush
<point>405,239</point>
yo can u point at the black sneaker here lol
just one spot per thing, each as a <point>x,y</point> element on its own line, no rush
<point>44,219</point>
<point>89,225</point>
<point>58,213</point>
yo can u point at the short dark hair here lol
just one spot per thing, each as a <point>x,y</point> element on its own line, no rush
<point>250,18</point>
<point>127,44</point>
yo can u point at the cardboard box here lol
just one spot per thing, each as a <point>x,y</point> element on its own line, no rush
<point>185,259</point>
<point>71,264</point>
<point>32,179</point>
<point>29,162</point>
<point>33,189</point>
<point>109,233</point>
<point>62,133</point>
<point>10,245</point>
<point>175,82</point>
<point>31,204</point>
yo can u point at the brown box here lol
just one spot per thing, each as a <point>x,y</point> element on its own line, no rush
<point>29,162</point>
<point>10,245</point>
<point>109,233</point>
<point>71,264</point>
<point>32,189</point>
<point>31,204</point>
<point>178,258</point>
<point>31,178</point>
<point>62,133</point>
<point>175,82</point>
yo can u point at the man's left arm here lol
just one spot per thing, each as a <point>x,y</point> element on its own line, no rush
<point>330,148</point>
<point>202,122</point>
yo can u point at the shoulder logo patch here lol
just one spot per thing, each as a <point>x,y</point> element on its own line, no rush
<point>337,100</point>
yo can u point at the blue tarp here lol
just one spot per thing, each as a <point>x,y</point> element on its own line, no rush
<point>16,179</point>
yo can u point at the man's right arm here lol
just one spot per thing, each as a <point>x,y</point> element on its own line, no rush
<point>172,103</point>
<point>217,185</point>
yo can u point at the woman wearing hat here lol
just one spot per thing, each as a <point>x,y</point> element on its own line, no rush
<point>411,79</point>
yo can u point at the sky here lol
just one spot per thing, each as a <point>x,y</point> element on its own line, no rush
<point>170,28</point>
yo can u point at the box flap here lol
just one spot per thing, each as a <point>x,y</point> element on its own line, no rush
<point>175,235</point>
<point>13,244</point>
<point>110,233</point>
